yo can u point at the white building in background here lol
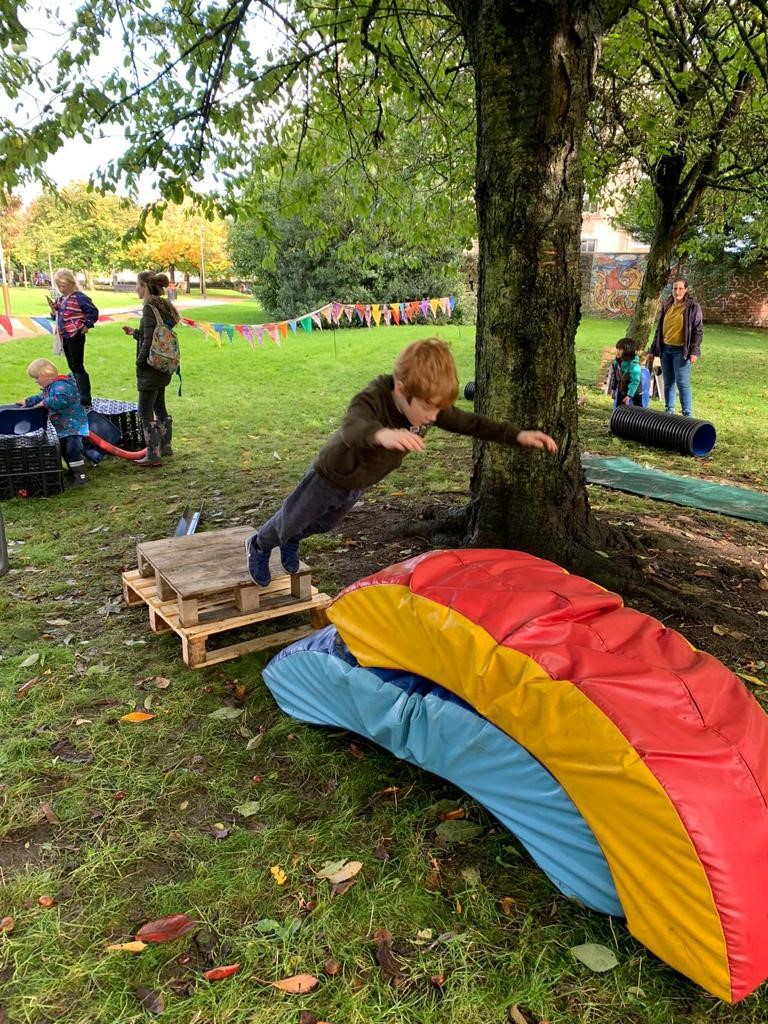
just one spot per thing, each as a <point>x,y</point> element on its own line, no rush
<point>597,234</point>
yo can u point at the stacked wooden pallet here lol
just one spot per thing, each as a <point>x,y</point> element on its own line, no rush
<point>199,586</point>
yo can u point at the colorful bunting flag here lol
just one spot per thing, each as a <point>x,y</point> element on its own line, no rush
<point>43,321</point>
<point>7,325</point>
<point>391,313</point>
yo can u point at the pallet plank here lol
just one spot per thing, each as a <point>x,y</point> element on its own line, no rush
<point>164,616</point>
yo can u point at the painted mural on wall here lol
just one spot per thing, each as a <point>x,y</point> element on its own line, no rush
<point>615,284</point>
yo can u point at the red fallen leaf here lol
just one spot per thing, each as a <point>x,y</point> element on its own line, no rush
<point>7,924</point>
<point>218,973</point>
<point>47,902</point>
<point>438,980</point>
<point>166,929</point>
<point>331,967</point>
<point>152,1001</point>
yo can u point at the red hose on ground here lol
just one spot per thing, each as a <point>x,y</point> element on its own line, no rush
<point>111,449</point>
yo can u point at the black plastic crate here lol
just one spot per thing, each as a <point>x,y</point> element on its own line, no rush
<point>125,417</point>
<point>30,465</point>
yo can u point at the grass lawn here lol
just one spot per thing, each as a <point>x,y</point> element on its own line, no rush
<point>122,823</point>
<point>31,301</point>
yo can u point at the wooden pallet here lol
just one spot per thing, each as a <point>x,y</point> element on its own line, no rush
<point>199,586</point>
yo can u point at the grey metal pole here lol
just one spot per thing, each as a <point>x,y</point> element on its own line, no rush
<point>4,563</point>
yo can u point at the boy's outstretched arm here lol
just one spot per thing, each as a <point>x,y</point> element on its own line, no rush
<point>399,440</point>
<point>536,439</point>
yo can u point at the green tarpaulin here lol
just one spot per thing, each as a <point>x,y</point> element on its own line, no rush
<point>626,475</point>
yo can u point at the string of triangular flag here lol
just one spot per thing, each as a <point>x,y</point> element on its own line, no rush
<point>372,314</point>
<point>332,313</point>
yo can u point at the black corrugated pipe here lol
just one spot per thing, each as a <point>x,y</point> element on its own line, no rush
<point>469,390</point>
<point>681,434</point>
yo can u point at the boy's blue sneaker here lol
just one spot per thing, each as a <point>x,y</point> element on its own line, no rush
<point>258,562</point>
<point>289,556</point>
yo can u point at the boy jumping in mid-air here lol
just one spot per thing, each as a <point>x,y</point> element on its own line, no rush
<point>383,423</point>
<point>60,396</point>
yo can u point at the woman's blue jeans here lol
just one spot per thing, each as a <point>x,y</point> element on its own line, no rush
<point>677,372</point>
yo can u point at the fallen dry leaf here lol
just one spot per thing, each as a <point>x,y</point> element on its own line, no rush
<point>432,882</point>
<point>506,905</point>
<point>218,973</point>
<point>385,958</point>
<point>161,683</point>
<point>331,967</point>
<point>454,815</point>
<point>166,929</point>
<point>47,902</point>
<point>127,947</point>
<point>438,980</point>
<point>51,816</point>
<point>295,986</point>
<point>720,630</point>
<point>7,924</point>
<point>135,717</point>
<point>278,874</point>
<point>341,887</point>
<point>521,1015</point>
<point>24,689</point>
<point>152,1001</point>
<point>336,875</point>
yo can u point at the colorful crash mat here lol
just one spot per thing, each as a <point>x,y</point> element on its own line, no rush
<point>660,748</point>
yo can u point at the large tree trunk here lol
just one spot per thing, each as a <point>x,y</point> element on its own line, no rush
<point>533,65</point>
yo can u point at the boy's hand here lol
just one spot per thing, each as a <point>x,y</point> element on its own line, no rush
<point>127,330</point>
<point>399,440</point>
<point>536,439</point>
<point>625,401</point>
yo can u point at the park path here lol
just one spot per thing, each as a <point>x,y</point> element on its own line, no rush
<point>21,331</point>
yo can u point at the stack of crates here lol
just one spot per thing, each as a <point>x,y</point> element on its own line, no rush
<point>125,417</point>
<point>30,465</point>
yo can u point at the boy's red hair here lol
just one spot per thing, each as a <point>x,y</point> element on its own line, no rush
<point>426,370</point>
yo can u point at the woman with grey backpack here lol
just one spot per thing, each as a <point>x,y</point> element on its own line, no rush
<point>157,359</point>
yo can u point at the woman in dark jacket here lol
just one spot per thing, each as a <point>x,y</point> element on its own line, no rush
<point>151,383</point>
<point>677,341</point>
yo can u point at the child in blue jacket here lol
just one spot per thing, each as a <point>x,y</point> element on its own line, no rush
<point>60,396</point>
<point>626,374</point>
